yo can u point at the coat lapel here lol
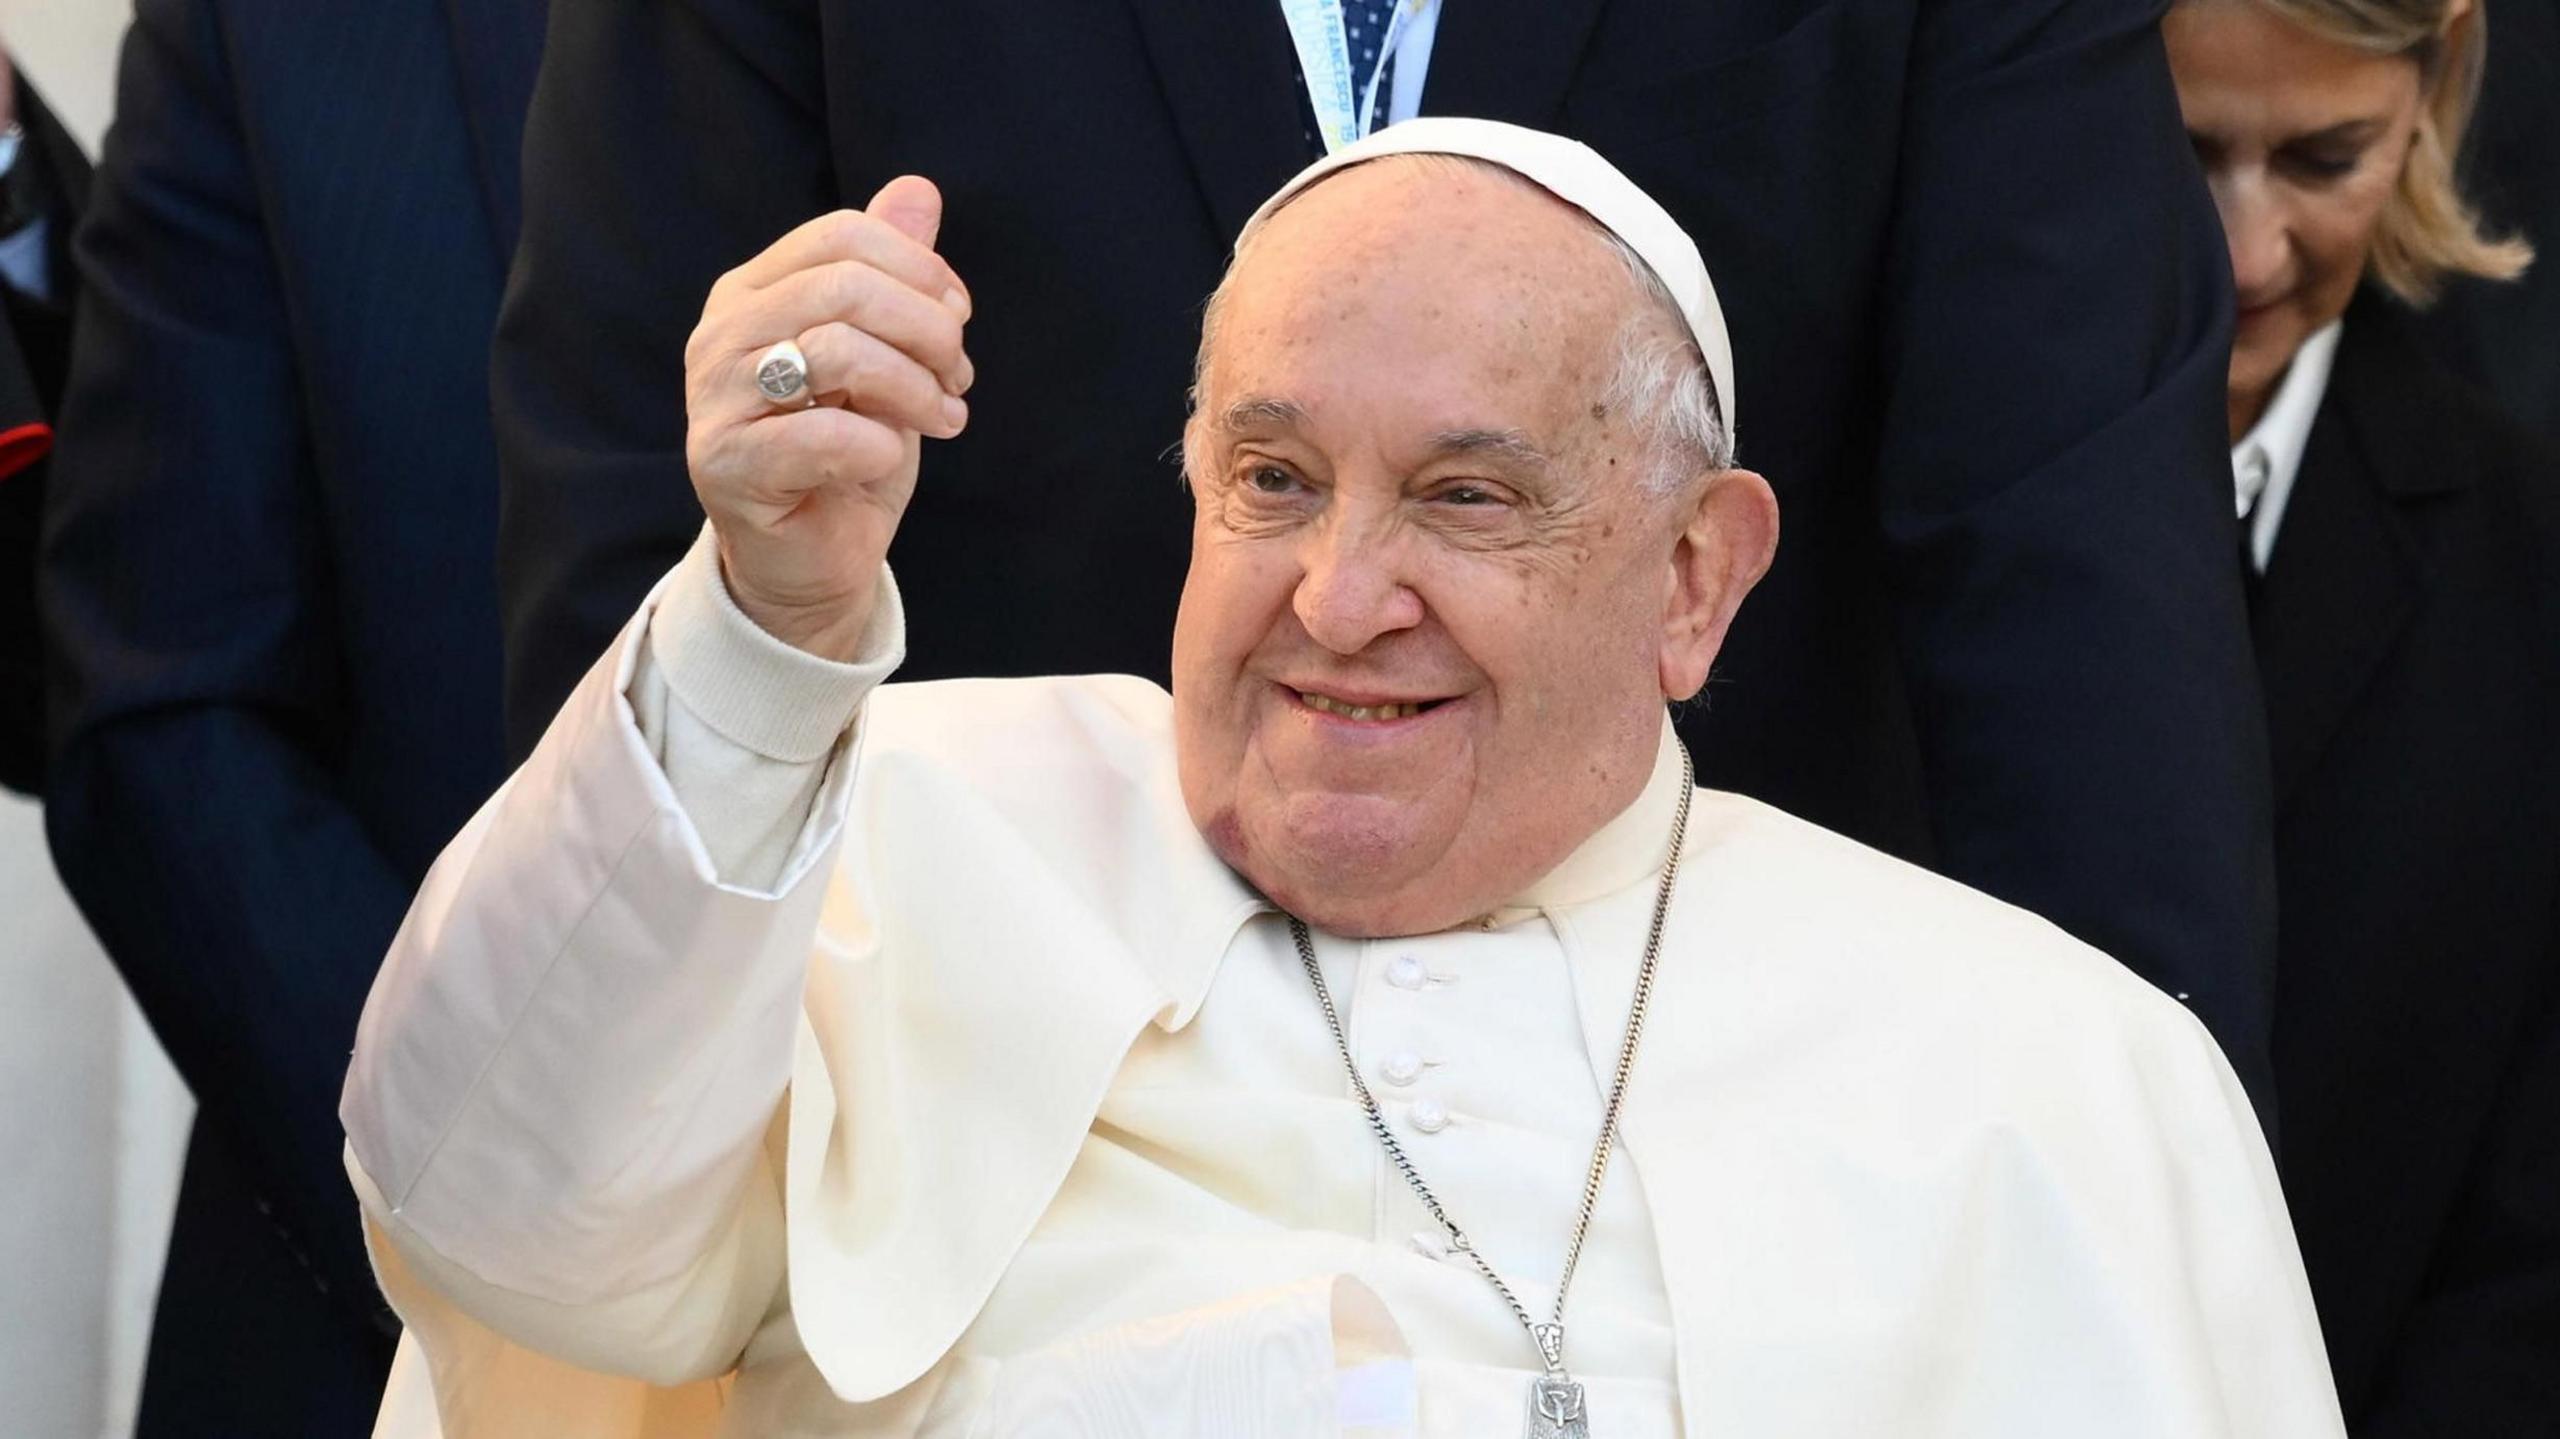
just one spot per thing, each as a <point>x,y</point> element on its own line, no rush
<point>497,48</point>
<point>2347,571</point>
<point>1226,74</point>
<point>1507,59</point>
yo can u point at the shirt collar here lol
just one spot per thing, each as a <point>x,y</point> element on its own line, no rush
<point>2267,458</point>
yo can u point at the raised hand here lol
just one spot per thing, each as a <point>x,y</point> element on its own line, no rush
<point>805,494</point>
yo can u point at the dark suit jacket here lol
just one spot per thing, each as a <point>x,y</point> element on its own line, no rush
<point>2409,635</point>
<point>35,354</point>
<point>1977,293</point>
<point>272,612</point>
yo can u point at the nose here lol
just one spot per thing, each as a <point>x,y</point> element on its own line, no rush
<point>1353,590</point>
<point>2253,226</point>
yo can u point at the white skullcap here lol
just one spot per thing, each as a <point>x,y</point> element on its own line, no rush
<point>1574,173</point>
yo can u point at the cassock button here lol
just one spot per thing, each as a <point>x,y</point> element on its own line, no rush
<point>1405,972</point>
<point>1403,1067</point>
<point>1429,1116</point>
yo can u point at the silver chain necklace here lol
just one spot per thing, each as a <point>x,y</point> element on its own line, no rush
<point>1556,1409</point>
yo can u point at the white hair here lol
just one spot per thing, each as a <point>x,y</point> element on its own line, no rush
<point>1658,383</point>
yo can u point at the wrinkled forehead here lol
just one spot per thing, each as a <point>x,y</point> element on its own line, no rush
<point>1649,241</point>
<point>1430,257</point>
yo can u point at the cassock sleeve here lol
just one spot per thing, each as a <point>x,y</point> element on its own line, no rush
<point>559,1108</point>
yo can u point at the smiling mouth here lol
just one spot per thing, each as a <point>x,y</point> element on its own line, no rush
<point>1378,713</point>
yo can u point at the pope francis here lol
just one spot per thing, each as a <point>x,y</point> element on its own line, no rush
<point>1378,1035</point>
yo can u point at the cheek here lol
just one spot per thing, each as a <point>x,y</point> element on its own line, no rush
<point>1235,594</point>
<point>1554,644</point>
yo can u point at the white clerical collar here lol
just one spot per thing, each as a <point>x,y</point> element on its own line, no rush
<point>1629,849</point>
<point>2265,462</point>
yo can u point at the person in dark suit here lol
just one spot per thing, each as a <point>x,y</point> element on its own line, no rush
<point>1974,277</point>
<point>272,615</point>
<point>2403,540</point>
<point>44,180</point>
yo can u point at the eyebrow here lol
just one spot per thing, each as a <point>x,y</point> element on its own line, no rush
<point>1512,446</point>
<point>2350,132</point>
<point>2345,132</point>
<point>1262,412</point>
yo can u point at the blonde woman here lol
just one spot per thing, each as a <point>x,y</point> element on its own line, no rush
<point>2403,547</point>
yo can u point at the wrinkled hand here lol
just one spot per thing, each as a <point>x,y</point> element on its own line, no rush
<point>804,501</point>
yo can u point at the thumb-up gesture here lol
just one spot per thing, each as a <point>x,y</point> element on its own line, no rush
<point>805,483</point>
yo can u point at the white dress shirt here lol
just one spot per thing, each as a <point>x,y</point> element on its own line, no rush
<point>1415,35</point>
<point>1062,1144</point>
<point>2267,459</point>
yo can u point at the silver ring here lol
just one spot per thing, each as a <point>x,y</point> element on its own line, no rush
<point>782,374</point>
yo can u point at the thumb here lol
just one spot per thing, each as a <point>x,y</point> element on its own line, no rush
<point>912,205</point>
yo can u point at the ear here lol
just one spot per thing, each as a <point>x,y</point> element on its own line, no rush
<point>1196,455</point>
<point>1724,548</point>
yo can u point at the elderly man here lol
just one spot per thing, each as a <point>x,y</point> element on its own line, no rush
<point>782,1054</point>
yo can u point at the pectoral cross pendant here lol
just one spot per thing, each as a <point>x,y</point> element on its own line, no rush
<point>1555,1409</point>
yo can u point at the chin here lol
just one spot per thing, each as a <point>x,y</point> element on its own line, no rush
<point>2263,343</point>
<point>1348,864</point>
<point>1355,842</point>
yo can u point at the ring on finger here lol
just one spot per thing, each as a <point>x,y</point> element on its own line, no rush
<point>782,376</point>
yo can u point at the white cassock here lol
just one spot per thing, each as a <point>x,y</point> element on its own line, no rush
<point>931,1077</point>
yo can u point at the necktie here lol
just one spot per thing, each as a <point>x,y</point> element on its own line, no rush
<point>1364,29</point>
<point>2251,580</point>
<point>1364,24</point>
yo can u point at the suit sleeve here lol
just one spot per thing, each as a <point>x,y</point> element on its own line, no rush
<point>2055,497</point>
<point>191,811</point>
<point>2476,1354</point>
<point>669,141</point>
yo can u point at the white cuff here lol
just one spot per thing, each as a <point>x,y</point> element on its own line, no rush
<point>752,689</point>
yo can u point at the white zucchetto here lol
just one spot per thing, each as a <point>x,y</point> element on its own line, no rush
<point>1576,174</point>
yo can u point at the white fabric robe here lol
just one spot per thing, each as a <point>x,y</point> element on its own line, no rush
<point>1917,1164</point>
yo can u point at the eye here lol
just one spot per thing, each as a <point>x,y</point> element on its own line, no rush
<point>1270,480</point>
<point>2323,166</point>
<point>1470,495</point>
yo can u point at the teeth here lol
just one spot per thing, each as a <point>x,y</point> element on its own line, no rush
<point>1333,706</point>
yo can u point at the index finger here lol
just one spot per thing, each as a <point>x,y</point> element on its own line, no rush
<point>853,235</point>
